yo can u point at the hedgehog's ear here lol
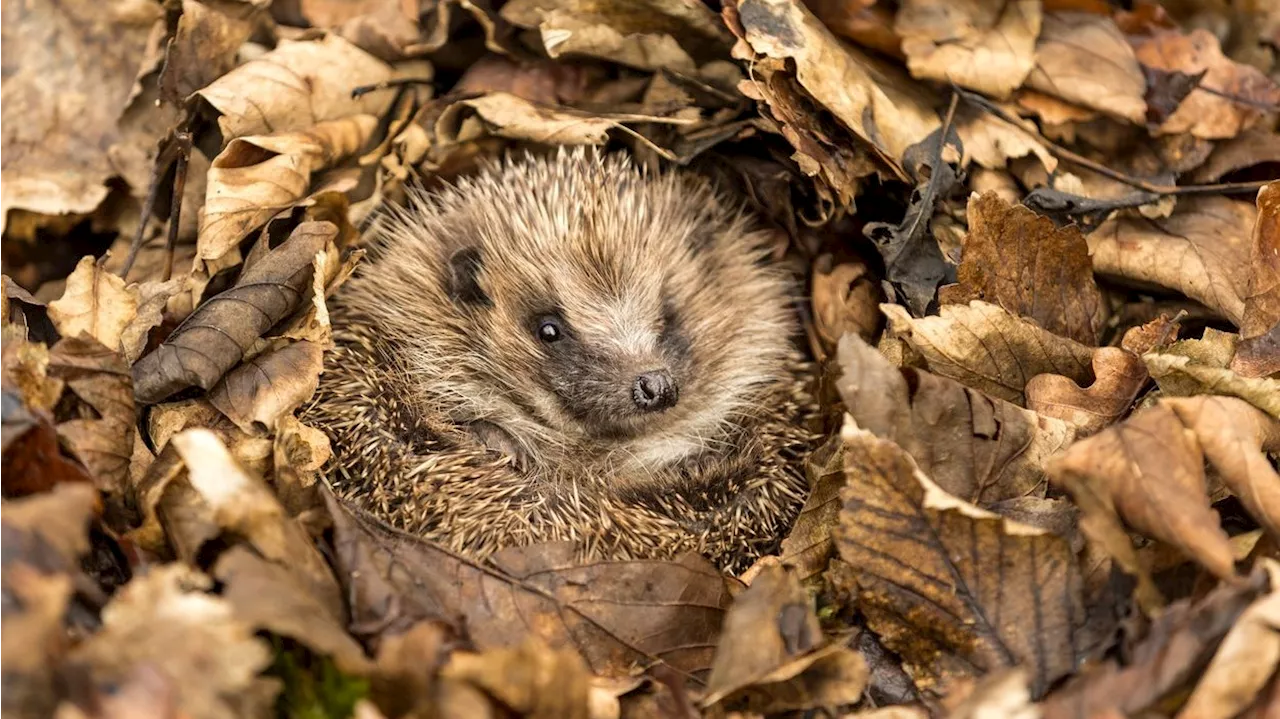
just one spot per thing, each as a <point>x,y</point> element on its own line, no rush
<point>464,278</point>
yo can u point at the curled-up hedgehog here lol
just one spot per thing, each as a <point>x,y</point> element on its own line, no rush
<point>571,348</point>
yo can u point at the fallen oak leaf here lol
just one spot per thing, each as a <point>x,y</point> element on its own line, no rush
<point>96,303</point>
<point>271,385</point>
<point>615,614</point>
<point>988,349</point>
<point>215,337</point>
<point>935,575</point>
<point>985,46</point>
<point>1119,376</point>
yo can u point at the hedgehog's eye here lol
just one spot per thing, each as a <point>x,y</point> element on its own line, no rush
<point>549,330</point>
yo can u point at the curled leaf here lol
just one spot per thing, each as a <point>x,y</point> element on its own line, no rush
<point>96,303</point>
<point>271,385</point>
<point>1119,376</point>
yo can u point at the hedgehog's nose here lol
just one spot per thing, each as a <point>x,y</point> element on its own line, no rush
<point>655,391</point>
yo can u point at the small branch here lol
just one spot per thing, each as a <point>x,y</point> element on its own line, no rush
<point>182,140</point>
<point>388,84</point>
<point>171,151</point>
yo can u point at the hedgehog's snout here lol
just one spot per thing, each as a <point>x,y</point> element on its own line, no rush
<point>655,391</point>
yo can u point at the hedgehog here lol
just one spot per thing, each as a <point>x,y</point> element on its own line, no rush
<point>571,348</point>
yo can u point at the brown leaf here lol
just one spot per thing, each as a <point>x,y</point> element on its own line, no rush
<point>1202,251</point>
<point>616,614</point>
<point>980,449</point>
<point>867,96</point>
<point>936,576</point>
<point>55,142</point>
<point>166,619</point>
<point>153,298</point>
<point>544,82</point>
<point>1193,367</point>
<point>1018,260</point>
<point>993,143</point>
<point>531,679</point>
<point>845,298</point>
<point>204,46</point>
<point>771,656</point>
<point>988,349</point>
<point>1084,59</point>
<point>1211,115</point>
<point>261,390</point>
<point>808,546</point>
<point>96,303</point>
<point>296,86</point>
<point>254,178</point>
<point>1259,352</point>
<point>1256,148</point>
<point>1172,655</point>
<point>214,339</point>
<point>1000,694</point>
<point>1118,377</point>
<point>984,46</point>
<point>100,379</point>
<point>647,35</point>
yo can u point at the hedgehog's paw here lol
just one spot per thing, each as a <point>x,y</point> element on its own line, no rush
<point>497,439</point>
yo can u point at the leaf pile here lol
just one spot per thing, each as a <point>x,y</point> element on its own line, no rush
<point>1043,241</point>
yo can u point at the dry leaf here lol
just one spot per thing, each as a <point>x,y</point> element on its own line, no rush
<point>1194,367</point>
<point>273,384</point>
<point>771,659</point>
<point>1202,251</point>
<point>1119,376</point>
<point>1084,59</point>
<point>204,45</point>
<point>988,349</point>
<point>55,141</point>
<point>531,679</point>
<point>980,449</point>
<point>867,96</point>
<point>985,46</point>
<point>96,303</point>
<point>1215,115</point>
<point>153,298</point>
<point>1018,260</point>
<point>504,115</point>
<point>1255,148</point>
<point>808,546</point>
<point>103,439</point>
<point>938,579</point>
<point>992,143</point>
<point>214,339</point>
<point>255,178</point>
<point>845,299</point>
<point>1259,352</point>
<point>296,86</point>
<point>1000,694</point>
<point>165,619</point>
<point>616,614</point>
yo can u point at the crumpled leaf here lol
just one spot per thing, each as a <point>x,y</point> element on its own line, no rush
<point>295,86</point>
<point>988,349</point>
<point>153,298</point>
<point>96,303</point>
<point>55,142</point>
<point>1018,260</point>
<point>1203,114</point>
<point>616,614</point>
<point>993,143</point>
<point>980,449</point>
<point>938,578</point>
<point>648,35</point>
<point>1258,354</point>
<point>256,177</point>
<point>529,678</point>
<point>1194,367</point>
<point>100,378</point>
<point>1202,251</point>
<point>985,46</point>
<point>269,386</point>
<point>1083,58</point>
<point>1172,654</point>
<point>214,339</point>
<point>866,96</point>
<point>1119,376</point>
<point>845,298</point>
<point>771,656</point>
<point>166,619</point>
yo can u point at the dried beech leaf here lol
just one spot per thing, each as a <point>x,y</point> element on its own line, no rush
<point>214,338</point>
<point>985,46</point>
<point>1118,377</point>
<point>296,86</point>
<point>166,619</point>
<point>153,297</point>
<point>1019,260</point>
<point>1216,115</point>
<point>1173,655</point>
<point>646,35</point>
<point>992,143</point>
<point>1259,352</point>
<point>255,177</point>
<point>938,579</point>
<point>504,115</point>
<point>989,349</point>
<point>55,143</point>
<point>1193,367</point>
<point>616,614</point>
<point>1202,251</point>
<point>100,378</point>
<point>770,657</point>
<point>530,678</point>
<point>96,303</point>
<point>271,385</point>
<point>980,449</point>
<point>1084,59</point>
<point>868,97</point>
<point>204,46</point>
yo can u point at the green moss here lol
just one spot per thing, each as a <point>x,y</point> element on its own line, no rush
<point>313,687</point>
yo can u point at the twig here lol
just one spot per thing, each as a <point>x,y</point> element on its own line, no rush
<point>182,140</point>
<point>388,84</point>
<point>171,151</point>
<point>1062,153</point>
